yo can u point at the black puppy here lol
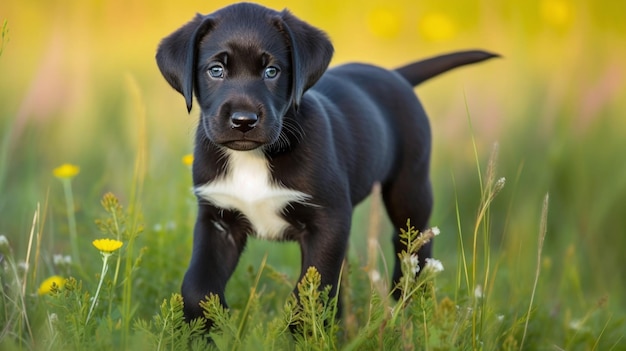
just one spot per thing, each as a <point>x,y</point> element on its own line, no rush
<point>285,149</point>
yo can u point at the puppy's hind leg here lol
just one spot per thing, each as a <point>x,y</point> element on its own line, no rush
<point>408,198</point>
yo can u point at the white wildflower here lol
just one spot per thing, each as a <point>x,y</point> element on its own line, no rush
<point>23,266</point>
<point>413,263</point>
<point>60,260</point>
<point>434,265</point>
<point>4,244</point>
<point>478,292</point>
<point>576,324</point>
<point>170,226</point>
<point>435,231</point>
<point>375,276</point>
<point>500,317</point>
<point>500,184</point>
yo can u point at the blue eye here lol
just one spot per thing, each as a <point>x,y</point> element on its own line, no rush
<point>216,71</point>
<point>271,72</point>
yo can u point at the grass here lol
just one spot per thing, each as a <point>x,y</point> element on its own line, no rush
<point>134,310</point>
<point>520,272</point>
<point>417,319</point>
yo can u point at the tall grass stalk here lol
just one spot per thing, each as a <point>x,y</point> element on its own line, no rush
<point>71,218</point>
<point>138,110</point>
<point>37,255</point>
<point>16,294</point>
<point>462,260</point>
<point>253,292</point>
<point>29,247</point>
<point>18,313</point>
<point>489,188</point>
<point>595,345</point>
<point>489,191</point>
<point>543,228</point>
<point>23,309</point>
<point>118,236</point>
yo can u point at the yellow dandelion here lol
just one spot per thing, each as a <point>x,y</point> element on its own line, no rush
<point>46,285</point>
<point>188,159</point>
<point>437,26</point>
<point>66,171</point>
<point>107,246</point>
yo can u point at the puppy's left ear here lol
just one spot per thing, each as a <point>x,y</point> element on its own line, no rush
<point>311,51</point>
<point>177,55</point>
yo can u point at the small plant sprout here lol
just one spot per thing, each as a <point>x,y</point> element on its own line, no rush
<point>413,241</point>
<point>106,247</point>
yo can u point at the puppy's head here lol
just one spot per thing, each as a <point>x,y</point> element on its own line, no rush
<point>247,65</point>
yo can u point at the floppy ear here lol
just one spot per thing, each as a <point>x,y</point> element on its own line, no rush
<point>311,51</point>
<point>177,55</point>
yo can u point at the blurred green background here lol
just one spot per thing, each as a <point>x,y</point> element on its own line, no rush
<point>77,75</point>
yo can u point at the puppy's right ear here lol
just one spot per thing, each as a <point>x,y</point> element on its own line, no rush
<point>311,52</point>
<point>177,55</point>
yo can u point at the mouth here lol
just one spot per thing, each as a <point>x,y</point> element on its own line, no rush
<point>242,145</point>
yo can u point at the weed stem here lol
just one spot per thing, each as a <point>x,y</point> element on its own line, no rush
<point>71,219</point>
<point>105,258</point>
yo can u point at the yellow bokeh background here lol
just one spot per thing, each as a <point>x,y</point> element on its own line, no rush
<point>59,56</point>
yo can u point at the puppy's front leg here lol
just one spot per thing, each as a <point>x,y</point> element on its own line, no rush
<point>324,247</point>
<point>217,245</point>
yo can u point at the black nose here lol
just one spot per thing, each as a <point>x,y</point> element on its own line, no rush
<point>243,121</point>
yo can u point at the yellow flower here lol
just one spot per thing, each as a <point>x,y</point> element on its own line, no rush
<point>46,285</point>
<point>107,245</point>
<point>437,27</point>
<point>188,159</point>
<point>66,171</point>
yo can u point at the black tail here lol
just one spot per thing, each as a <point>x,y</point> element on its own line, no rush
<point>417,72</point>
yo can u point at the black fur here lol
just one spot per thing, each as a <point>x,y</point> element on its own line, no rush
<point>330,134</point>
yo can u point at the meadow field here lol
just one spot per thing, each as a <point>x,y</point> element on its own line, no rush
<point>528,170</point>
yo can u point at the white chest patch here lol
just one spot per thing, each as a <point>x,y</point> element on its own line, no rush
<point>248,188</point>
